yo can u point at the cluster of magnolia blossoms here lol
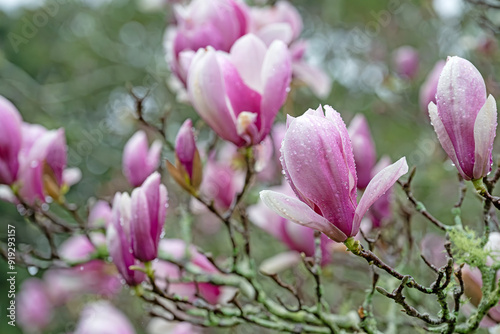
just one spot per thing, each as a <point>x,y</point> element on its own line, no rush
<point>236,64</point>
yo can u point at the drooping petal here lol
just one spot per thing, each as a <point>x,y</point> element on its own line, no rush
<point>443,138</point>
<point>484,135</point>
<point>377,187</point>
<point>299,213</point>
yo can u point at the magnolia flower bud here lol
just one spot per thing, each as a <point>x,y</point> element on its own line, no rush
<point>406,60</point>
<point>319,165</point>
<point>138,161</point>
<point>464,119</point>
<point>187,171</point>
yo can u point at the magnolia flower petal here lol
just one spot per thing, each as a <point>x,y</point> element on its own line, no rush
<point>276,74</point>
<point>299,213</point>
<point>443,137</point>
<point>248,54</point>
<point>314,77</point>
<point>205,86</point>
<point>484,135</point>
<point>276,31</point>
<point>377,187</point>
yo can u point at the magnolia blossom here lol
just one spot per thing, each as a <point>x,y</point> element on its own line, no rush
<point>464,119</point>
<point>406,60</point>
<point>238,94</point>
<point>119,240</point>
<point>319,164</point>
<point>10,141</point>
<point>149,209</point>
<point>99,215</point>
<point>43,160</point>
<point>363,149</point>
<point>103,318</point>
<point>34,307</point>
<point>201,23</point>
<point>88,276</point>
<point>138,161</point>
<point>428,89</point>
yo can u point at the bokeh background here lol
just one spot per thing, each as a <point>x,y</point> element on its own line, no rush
<point>72,63</point>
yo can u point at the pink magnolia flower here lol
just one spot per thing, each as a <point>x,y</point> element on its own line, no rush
<point>363,149</point>
<point>428,89</point>
<point>103,318</point>
<point>406,60</point>
<point>149,209</point>
<point>43,160</point>
<point>222,181</point>
<point>177,250</point>
<point>138,161</point>
<point>86,276</point>
<point>10,141</point>
<point>296,237</point>
<point>215,23</point>
<point>34,307</point>
<point>238,94</point>
<point>464,119</point>
<point>119,240</point>
<point>319,165</point>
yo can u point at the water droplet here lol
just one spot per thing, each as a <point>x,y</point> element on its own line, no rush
<point>32,270</point>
